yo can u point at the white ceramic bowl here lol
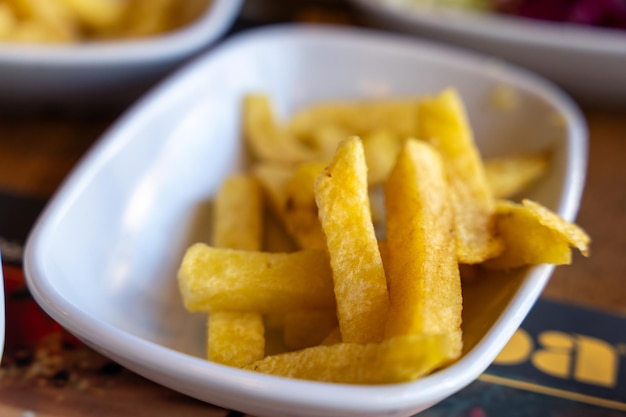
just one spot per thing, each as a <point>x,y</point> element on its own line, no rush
<point>588,62</point>
<point>102,258</point>
<point>105,71</point>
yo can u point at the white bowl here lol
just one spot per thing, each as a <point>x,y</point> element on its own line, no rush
<point>102,258</point>
<point>104,71</point>
<point>588,62</point>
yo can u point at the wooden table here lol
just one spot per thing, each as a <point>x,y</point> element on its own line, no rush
<point>39,147</point>
<point>599,281</point>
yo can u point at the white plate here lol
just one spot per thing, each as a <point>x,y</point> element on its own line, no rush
<point>590,63</point>
<point>103,71</point>
<point>102,259</point>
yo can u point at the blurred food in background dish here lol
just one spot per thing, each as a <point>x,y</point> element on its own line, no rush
<point>96,53</point>
<point>71,21</point>
<point>600,13</point>
<point>577,44</point>
<point>604,13</point>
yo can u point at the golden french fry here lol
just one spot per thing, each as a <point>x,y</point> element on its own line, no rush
<point>96,14</point>
<point>300,210</point>
<point>422,269</point>
<point>444,124</point>
<point>509,175</point>
<point>399,116</point>
<point>143,19</point>
<point>381,150</point>
<point>359,279</point>
<point>534,235</point>
<point>49,19</point>
<point>290,194</point>
<point>32,32</point>
<point>214,279</point>
<point>265,137</point>
<point>62,21</point>
<point>574,235</point>
<point>308,328</point>
<point>187,11</point>
<point>322,140</point>
<point>8,21</point>
<point>235,338</point>
<point>238,214</point>
<point>274,178</point>
<point>399,359</point>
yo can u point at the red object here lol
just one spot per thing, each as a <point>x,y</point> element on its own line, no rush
<point>26,323</point>
<point>604,13</point>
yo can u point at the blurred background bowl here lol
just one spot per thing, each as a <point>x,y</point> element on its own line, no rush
<point>105,71</point>
<point>588,62</point>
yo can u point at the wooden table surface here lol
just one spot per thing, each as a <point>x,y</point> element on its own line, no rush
<point>39,147</point>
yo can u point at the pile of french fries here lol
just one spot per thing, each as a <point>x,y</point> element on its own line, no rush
<point>337,256</point>
<point>71,21</point>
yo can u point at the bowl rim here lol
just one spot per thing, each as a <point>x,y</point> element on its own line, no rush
<point>312,395</point>
<point>218,16</point>
<point>502,28</point>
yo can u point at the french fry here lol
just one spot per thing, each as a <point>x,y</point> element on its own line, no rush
<point>238,214</point>
<point>144,19</point>
<point>300,210</point>
<point>323,140</point>
<point>214,279</point>
<point>51,19</point>
<point>235,338</point>
<point>265,137</point>
<point>444,124</point>
<point>289,192</point>
<point>32,32</point>
<point>535,235</point>
<point>422,269</point>
<point>575,236</point>
<point>509,175</point>
<point>274,178</point>
<point>360,118</point>
<point>381,150</point>
<point>72,21</point>
<point>8,21</point>
<point>399,359</point>
<point>359,279</point>
<point>97,14</point>
<point>187,11</point>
